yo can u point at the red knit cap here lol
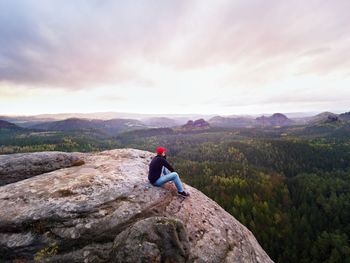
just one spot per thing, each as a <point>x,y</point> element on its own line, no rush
<point>160,150</point>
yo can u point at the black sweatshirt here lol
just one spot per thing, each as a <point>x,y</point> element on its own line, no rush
<point>155,167</point>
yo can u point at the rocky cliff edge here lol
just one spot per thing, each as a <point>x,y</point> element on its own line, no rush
<point>100,207</point>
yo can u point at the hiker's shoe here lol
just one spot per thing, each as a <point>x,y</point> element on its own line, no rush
<point>183,193</point>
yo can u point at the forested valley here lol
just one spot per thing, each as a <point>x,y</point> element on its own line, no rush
<point>290,187</point>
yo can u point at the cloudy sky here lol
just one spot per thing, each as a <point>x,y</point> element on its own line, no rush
<point>147,56</point>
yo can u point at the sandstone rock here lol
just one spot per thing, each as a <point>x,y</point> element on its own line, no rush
<point>106,211</point>
<point>16,167</point>
<point>154,239</point>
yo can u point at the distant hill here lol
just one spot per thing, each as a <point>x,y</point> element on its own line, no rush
<point>25,121</point>
<point>231,122</point>
<point>8,125</point>
<point>76,124</point>
<point>328,123</point>
<point>105,116</point>
<point>69,125</point>
<point>323,117</point>
<point>119,125</point>
<point>161,122</point>
<point>277,119</point>
<point>345,116</point>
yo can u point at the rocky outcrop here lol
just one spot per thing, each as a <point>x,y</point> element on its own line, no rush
<point>105,210</point>
<point>197,124</point>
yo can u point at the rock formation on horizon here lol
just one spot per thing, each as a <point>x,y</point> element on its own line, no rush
<point>103,209</point>
<point>197,124</point>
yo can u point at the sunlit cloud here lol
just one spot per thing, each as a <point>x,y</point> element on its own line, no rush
<point>221,57</point>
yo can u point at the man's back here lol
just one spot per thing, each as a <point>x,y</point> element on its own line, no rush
<point>155,168</point>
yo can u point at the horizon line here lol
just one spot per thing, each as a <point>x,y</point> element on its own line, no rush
<point>172,114</point>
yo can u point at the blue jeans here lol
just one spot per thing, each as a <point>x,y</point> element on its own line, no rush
<point>167,176</point>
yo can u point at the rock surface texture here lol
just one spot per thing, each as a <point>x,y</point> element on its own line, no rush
<point>19,166</point>
<point>105,210</point>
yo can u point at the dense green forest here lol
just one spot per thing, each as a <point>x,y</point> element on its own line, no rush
<point>289,186</point>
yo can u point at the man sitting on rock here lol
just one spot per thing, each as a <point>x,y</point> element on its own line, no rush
<point>160,172</point>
